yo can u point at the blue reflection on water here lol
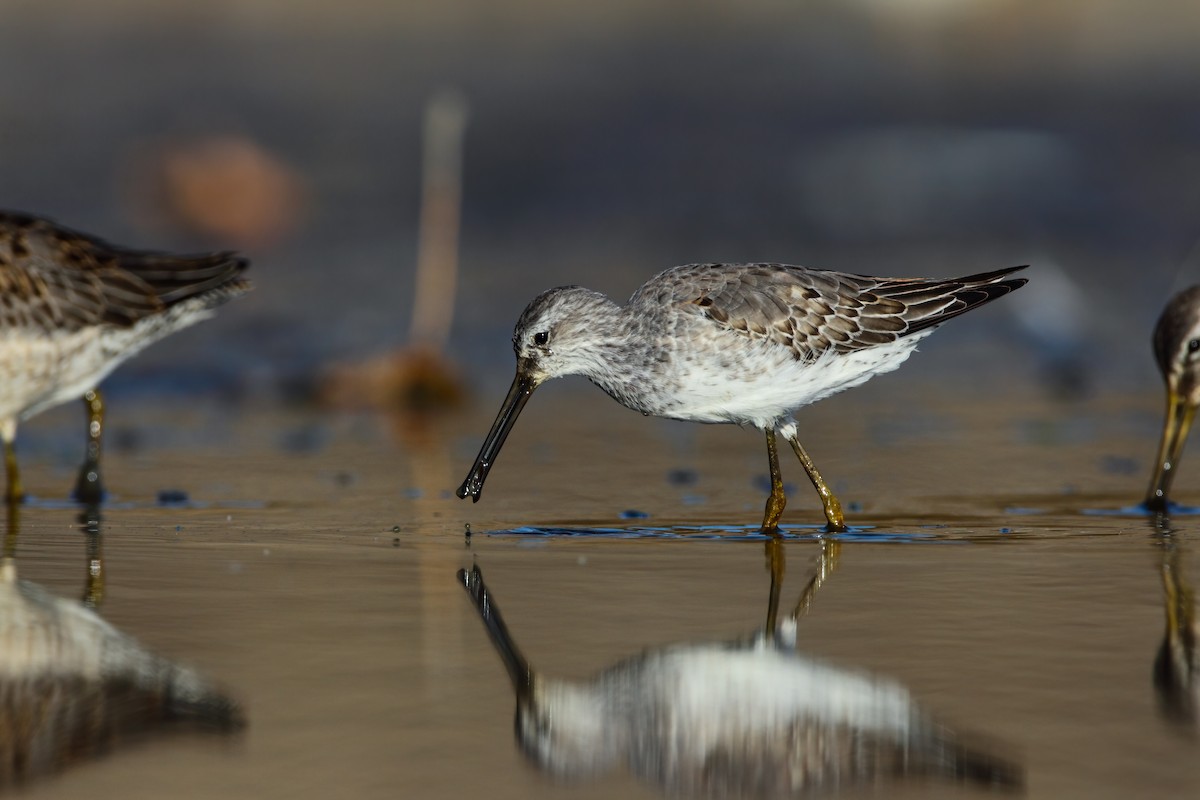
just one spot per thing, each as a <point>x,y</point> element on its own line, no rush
<point>736,533</point>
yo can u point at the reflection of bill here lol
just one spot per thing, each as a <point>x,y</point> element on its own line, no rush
<point>746,718</point>
<point>73,686</point>
<point>1175,668</point>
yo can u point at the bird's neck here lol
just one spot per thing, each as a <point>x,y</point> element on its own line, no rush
<point>620,356</point>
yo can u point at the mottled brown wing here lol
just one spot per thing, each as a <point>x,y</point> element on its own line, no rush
<point>812,311</point>
<point>931,302</point>
<point>53,278</point>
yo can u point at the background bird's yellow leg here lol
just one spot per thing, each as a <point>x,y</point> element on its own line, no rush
<point>88,488</point>
<point>777,499</point>
<point>833,509</point>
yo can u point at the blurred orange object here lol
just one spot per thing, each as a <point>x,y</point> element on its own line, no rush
<point>418,380</point>
<point>226,187</point>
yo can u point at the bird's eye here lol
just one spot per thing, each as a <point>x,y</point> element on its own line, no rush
<point>1193,345</point>
<point>541,337</point>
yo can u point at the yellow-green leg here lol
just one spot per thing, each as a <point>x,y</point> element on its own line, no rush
<point>88,488</point>
<point>836,523</point>
<point>777,499</point>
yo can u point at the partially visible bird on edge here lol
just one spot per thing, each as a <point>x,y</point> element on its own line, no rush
<point>1177,351</point>
<point>741,343</point>
<point>73,307</point>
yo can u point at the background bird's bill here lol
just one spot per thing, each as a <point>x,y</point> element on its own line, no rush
<point>522,387</point>
<point>1175,431</point>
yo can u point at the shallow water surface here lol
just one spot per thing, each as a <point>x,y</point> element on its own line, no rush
<point>307,566</point>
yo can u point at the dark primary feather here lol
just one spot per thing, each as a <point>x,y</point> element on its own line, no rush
<point>812,311</point>
<point>56,278</point>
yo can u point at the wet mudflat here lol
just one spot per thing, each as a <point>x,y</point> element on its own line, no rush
<point>310,573</point>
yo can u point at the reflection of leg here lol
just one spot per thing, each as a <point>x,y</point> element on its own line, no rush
<point>777,499</point>
<point>13,529</point>
<point>14,493</point>
<point>826,564</point>
<point>93,590</point>
<point>776,564</point>
<point>833,509</point>
<point>88,487</point>
<point>1180,600</point>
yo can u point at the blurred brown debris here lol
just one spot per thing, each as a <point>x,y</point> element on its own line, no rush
<point>419,380</point>
<point>415,379</point>
<point>224,187</point>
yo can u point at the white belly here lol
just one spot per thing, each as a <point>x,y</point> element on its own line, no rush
<point>761,384</point>
<point>39,370</point>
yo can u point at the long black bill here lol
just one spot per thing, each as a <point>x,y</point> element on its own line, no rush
<point>518,395</point>
<point>518,668</point>
<point>1175,431</point>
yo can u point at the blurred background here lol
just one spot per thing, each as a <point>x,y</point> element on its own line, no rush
<point>602,142</point>
<point>607,141</point>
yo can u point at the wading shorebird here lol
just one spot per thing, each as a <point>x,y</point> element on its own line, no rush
<point>73,307</point>
<point>748,718</point>
<point>741,343</point>
<point>1177,350</point>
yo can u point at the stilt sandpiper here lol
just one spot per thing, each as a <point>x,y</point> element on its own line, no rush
<point>73,307</point>
<point>741,343</point>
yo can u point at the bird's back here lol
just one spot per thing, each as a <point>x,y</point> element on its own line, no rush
<point>73,307</point>
<point>750,343</point>
<point>56,279</point>
<point>812,311</point>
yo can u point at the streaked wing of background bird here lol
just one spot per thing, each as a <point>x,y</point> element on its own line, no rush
<point>56,279</point>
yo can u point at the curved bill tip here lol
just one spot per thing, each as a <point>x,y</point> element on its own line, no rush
<point>472,486</point>
<point>518,394</point>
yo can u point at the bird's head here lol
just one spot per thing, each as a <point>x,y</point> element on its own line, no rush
<point>1177,345</point>
<point>562,332</point>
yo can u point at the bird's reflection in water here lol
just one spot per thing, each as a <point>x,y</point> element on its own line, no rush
<point>1176,671</point>
<point>72,686</point>
<point>749,718</point>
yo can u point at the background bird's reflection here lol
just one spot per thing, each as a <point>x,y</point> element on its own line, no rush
<point>74,687</point>
<point>1175,667</point>
<point>745,718</point>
